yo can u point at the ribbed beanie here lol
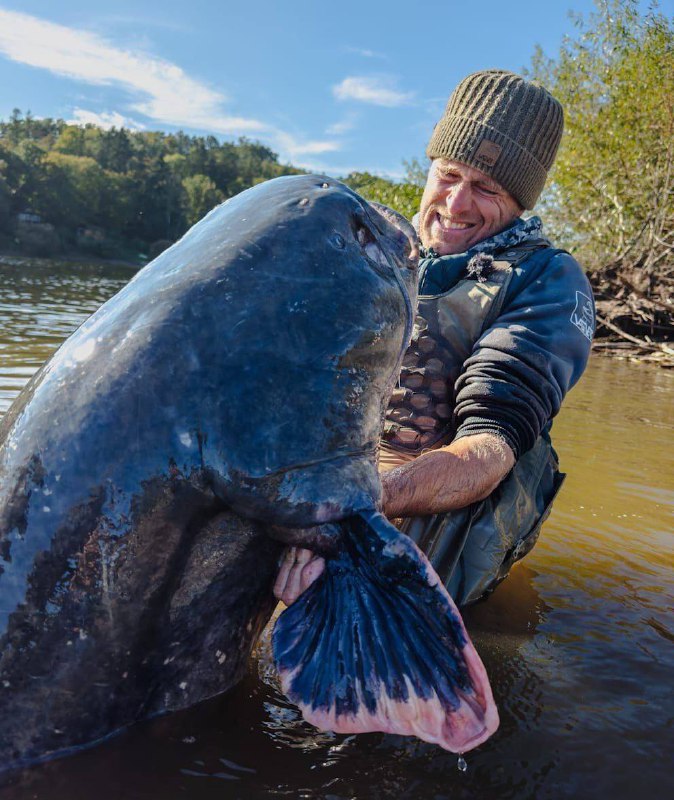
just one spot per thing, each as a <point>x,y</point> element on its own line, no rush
<point>505,126</point>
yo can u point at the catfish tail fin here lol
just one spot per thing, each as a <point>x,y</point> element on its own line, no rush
<point>377,644</point>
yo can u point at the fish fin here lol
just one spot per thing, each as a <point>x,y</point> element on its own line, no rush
<point>377,644</point>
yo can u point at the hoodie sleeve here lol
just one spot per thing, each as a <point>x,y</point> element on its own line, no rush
<point>520,369</point>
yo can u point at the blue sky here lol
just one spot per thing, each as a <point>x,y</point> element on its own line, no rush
<point>331,86</point>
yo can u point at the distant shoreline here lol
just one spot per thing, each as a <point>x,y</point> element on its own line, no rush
<point>19,260</point>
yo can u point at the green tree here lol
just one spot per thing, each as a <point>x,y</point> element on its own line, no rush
<point>402,197</point>
<point>5,196</point>
<point>77,189</point>
<point>612,190</point>
<point>416,171</point>
<point>115,150</point>
<point>14,176</point>
<point>201,195</point>
<point>14,130</point>
<point>71,141</point>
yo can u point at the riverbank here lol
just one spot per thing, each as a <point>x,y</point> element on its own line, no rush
<point>17,260</point>
<point>635,313</point>
<point>659,354</point>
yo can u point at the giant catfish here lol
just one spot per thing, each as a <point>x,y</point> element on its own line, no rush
<point>228,399</point>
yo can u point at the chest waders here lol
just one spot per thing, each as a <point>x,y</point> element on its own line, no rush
<point>473,548</point>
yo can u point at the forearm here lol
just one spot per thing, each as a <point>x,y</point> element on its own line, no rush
<point>455,476</point>
<point>467,470</point>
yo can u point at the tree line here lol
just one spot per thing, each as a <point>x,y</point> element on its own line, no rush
<point>611,195</point>
<point>117,192</point>
<point>610,198</point>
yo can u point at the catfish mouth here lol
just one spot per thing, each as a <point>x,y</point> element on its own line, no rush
<point>304,495</point>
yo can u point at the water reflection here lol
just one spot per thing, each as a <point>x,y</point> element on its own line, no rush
<point>41,303</point>
<point>577,640</point>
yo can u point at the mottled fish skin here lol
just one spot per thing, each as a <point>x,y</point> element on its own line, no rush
<point>377,644</point>
<point>237,382</point>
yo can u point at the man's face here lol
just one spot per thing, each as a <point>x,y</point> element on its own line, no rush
<point>462,206</point>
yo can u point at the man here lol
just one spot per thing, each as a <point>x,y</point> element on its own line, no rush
<point>503,331</point>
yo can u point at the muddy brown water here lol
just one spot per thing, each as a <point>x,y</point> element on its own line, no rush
<point>577,641</point>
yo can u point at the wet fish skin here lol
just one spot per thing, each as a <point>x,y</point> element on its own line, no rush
<point>138,479</point>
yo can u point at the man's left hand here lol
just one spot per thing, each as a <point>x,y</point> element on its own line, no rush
<point>299,569</point>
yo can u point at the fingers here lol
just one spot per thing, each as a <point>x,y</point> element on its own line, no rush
<point>284,571</point>
<point>293,587</point>
<point>299,569</point>
<point>311,571</point>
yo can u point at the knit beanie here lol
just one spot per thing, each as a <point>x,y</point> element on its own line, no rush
<point>505,126</point>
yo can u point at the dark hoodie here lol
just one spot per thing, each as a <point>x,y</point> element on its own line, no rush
<point>522,366</point>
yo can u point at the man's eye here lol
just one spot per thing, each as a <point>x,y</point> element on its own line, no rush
<point>489,192</point>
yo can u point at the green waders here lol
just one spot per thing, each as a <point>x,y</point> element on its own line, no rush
<point>471,549</point>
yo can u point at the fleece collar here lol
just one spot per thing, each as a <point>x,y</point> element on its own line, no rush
<point>437,272</point>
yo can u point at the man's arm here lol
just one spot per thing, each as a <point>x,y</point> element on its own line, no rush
<point>451,477</point>
<point>521,368</point>
<point>455,476</point>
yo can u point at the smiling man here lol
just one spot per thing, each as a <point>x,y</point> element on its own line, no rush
<point>502,334</point>
<point>503,331</point>
<point>462,206</point>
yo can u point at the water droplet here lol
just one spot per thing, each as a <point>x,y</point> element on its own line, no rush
<point>462,764</point>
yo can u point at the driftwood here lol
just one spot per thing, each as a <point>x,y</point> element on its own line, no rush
<point>635,312</point>
<point>645,344</point>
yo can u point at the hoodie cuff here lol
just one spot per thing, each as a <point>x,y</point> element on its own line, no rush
<point>475,425</point>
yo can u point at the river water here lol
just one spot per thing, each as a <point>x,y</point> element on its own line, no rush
<point>577,641</point>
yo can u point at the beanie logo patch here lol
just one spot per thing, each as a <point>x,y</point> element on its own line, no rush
<point>487,153</point>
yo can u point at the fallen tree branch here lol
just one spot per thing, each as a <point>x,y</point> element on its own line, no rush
<point>641,342</point>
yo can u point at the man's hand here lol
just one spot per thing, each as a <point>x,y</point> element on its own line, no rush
<point>299,569</point>
<point>451,477</point>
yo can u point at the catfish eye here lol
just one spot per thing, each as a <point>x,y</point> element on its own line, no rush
<point>367,241</point>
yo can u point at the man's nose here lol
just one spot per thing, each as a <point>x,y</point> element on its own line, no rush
<point>459,199</point>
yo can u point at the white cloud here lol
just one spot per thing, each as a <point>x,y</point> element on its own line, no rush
<point>341,127</point>
<point>294,147</point>
<point>105,120</point>
<point>164,92</point>
<point>376,91</point>
<point>158,89</point>
<point>365,53</point>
